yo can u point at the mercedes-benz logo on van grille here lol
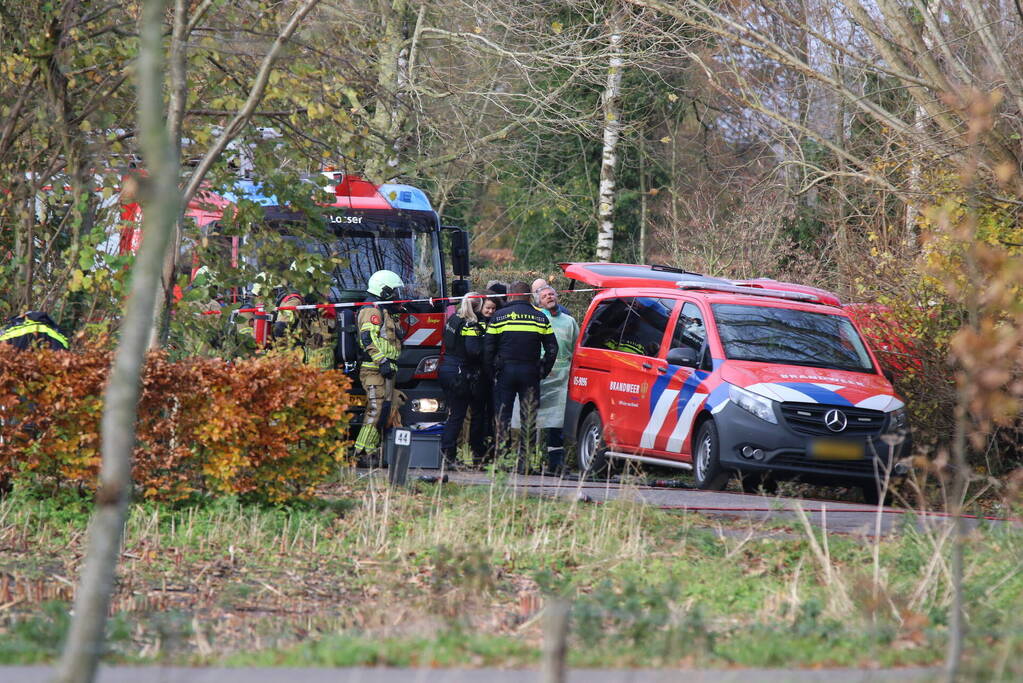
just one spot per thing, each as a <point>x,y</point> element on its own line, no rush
<point>835,420</point>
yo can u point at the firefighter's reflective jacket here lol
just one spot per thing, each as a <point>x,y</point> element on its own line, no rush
<point>34,329</point>
<point>378,337</point>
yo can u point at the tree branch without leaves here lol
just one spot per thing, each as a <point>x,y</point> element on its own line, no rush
<point>245,113</point>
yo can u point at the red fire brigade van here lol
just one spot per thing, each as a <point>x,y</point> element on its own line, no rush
<point>762,379</point>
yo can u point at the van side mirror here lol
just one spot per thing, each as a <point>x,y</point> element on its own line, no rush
<point>682,355</point>
<point>889,375</point>
<point>459,287</point>
<point>459,251</point>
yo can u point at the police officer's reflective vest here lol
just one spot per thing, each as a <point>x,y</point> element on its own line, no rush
<point>34,329</point>
<point>625,345</point>
<point>517,333</point>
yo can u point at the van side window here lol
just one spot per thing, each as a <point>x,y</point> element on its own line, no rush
<point>604,329</point>
<point>644,328</point>
<point>690,330</point>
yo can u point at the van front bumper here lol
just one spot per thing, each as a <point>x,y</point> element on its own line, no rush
<point>749,444</point>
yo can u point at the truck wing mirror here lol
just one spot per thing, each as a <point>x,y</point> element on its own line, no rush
<point>682,355</point>
<point>459,251</point>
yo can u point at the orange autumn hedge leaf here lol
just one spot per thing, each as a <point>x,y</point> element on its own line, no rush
<point>267,428</point>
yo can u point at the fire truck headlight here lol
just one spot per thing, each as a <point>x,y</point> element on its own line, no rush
<point>426,405</point>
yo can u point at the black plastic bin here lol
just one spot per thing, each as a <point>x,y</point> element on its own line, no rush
<point>424,452</point>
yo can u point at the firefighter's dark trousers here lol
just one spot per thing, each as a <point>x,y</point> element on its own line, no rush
<point>521,380</point>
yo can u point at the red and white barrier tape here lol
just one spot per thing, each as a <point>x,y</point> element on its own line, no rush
<point>431,301</point>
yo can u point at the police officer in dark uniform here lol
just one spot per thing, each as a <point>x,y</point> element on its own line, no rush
<point>512,347</point>
<point>460,377</point>
<point>34,330</point>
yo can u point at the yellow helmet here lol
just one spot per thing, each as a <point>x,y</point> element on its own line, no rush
<point>259,285</point>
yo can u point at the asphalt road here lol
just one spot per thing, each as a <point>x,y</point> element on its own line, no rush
<point>157,674</point>
<point>833,516</point>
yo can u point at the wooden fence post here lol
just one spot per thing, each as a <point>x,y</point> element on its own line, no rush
<point>555,641</point>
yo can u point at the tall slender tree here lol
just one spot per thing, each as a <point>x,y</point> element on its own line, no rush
<point>611,108</point>
<point>85,640</point>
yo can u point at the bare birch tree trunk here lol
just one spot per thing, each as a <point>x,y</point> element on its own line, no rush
<point>915,171</point>
<point>914,176</point>
<point>92,600</point>
<point>610,101</point>
<point>644,202</point>
<point>178,94</point>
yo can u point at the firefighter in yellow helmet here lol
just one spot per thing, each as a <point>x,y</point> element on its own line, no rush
<point>381,346</point>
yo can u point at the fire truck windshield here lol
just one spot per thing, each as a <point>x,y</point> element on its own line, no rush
<point>357,253</point>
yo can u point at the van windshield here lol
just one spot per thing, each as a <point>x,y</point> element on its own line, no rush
<point>791,337</point>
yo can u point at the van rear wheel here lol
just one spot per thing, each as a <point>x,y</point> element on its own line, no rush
<point>592,449</point>
<point>706,464</point>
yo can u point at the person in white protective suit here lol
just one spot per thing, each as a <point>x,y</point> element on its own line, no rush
<point>550,418</point>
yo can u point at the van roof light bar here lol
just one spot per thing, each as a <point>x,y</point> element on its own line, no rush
<point>672,269</point>
<point>751,291</point>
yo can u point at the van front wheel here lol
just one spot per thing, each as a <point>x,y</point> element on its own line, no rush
<point>591,448</point>
<point>706,465</point>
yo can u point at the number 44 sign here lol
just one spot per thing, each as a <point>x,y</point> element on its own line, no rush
<point>402,437</point>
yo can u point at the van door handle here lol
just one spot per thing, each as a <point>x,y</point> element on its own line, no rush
<point>647,366</point>
<point>662,369</point>
<point>593,369</point>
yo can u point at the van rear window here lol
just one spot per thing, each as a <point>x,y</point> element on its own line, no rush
<point>790,337</point>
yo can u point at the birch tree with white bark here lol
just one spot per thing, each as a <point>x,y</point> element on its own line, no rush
<point>612,118</point>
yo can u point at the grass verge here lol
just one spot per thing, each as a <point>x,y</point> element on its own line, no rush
<point>445,575</point>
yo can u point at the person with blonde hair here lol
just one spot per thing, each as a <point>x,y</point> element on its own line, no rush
<point>460,376</point>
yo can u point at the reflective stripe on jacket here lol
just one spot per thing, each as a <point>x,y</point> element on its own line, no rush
<point>517,333</point>
<point>30,327</point>
<point>463,340</point>
<point>378,337</point>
